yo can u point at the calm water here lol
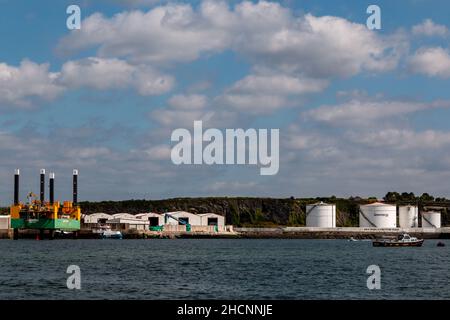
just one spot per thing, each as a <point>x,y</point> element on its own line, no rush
<point>221,269</point>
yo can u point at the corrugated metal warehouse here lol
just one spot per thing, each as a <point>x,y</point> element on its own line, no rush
<point>155,219</point>
<point>212,219</point>
<point>190,218</point>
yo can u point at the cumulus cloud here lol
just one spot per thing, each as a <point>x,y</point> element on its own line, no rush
<point>103,74</point>
<point>429,28</point>
<point>28,83</point>
<point>321,47</point>
<point>165,33</point>
<point>266,32</point>
<point>19,86</point>
<point>433,62</point>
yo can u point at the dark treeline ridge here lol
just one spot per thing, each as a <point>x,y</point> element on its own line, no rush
<point>265,212</point>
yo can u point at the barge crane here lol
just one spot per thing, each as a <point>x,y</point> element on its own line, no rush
<point>44,215</point>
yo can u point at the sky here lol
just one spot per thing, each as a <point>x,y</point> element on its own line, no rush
<point>360,112</point>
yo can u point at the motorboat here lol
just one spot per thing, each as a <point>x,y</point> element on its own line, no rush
<point>403,240</point>
<point>109,234</point>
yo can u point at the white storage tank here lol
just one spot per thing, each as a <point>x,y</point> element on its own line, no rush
<point>408,216</point>
<point>431,219</point>
<point>321,215</point>
<point>378,215</point>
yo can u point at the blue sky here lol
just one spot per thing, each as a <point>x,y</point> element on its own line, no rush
<point>360,112</point>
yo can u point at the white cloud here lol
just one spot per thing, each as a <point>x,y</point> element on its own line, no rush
<point>433,62</point>
<point>320,46</point>
<point>343,160</point>
<point>165,33</point>
<point>429,28</point>
<point>402,139</point>
<point>183,109</point>
<point>267,33</point>
<point>279,84</point>
<point>362,111</point>
<point>19,86</point>
<point>264,93</point>
<point>103,74</point>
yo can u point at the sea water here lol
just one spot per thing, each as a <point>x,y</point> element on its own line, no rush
<point>221,269</point>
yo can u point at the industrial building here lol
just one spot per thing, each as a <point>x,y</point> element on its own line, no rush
<point>123,215</point>
<point>378,215</point>
<point>321,215</point>
<point>178,221</point>
<point>154,219</point>
<point>95,218</point>
<point>116,221</point>
<point>127,223</point>
<point>186,217</point>
<point>212,219</point>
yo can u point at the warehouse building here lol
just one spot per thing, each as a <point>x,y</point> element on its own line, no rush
<point>126,223</point>
<point>95,218</point>
<point>123,215</point>
<point>187,217</point>
<point>212,219</point>
<point>177,221</point>
<point>154,219</point>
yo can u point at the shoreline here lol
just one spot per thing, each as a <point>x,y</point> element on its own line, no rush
<point>261,233</point>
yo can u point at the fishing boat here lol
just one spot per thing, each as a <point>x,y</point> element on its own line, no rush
<point>403,240</point>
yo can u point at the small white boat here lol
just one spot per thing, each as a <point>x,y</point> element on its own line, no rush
<point>109,234</point>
